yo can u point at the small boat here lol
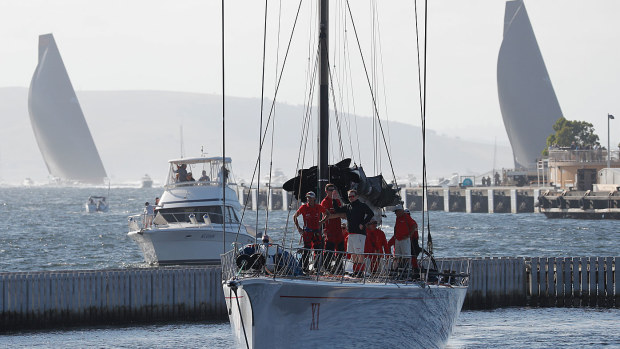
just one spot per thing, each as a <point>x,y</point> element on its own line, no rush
<point>147,182</point>
<point>96,204</point>
<point>28,182</point>
<point>187,225</point>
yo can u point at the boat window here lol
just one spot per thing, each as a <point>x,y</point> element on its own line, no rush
<point>231,216</point>
<point>181,214</point>
<point>182,173</point>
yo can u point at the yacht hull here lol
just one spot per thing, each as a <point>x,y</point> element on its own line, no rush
<point>186,245</point>
<point>278,313</point>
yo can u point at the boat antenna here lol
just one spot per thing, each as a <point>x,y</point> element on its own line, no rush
<point>181,138</point>
<point>494,156</point>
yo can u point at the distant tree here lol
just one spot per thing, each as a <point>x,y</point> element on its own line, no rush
<point>567,132</point>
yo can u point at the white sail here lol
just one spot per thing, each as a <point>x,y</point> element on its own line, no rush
<point>527,100</point>
<point>57,120</point>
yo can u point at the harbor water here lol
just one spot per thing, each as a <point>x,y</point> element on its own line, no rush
<point>47,228</point>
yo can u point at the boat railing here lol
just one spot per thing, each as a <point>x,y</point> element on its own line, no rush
<point>275,261</point>
<point>582,155</point>
<point>183,184</point>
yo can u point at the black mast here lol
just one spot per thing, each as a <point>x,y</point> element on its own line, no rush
<point>323,168</point>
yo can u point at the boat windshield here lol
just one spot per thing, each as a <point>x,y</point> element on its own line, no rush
<point>214,213</point>
<point>199,171</point>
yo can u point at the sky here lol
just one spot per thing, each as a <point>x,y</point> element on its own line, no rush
<point>176,46</point>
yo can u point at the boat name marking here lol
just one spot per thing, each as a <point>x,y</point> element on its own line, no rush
<point>314,325</point>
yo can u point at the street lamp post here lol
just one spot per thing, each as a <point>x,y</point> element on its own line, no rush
<point>609,117</point>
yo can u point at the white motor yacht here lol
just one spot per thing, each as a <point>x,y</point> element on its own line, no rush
<point>146,182</point>
<point>186,226</point>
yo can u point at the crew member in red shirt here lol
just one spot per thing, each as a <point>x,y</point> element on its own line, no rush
<point>375,243</point>
<point>404,229</point>
<point>313,215</point>
<point>332,230</point>
<point>415,244</point>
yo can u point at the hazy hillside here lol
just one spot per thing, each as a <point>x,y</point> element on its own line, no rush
<point>136,132</point>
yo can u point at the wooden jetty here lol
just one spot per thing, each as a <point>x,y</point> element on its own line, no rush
<point>53,299</point>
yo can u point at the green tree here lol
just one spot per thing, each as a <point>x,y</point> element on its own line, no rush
<point>567,132</point>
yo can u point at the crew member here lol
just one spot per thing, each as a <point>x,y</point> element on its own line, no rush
<point>415,242</point>
<point>375,243</point>
<point>334,238</point>
<point>404,229</point>
<point>313,215</point>
<point>358,215</point>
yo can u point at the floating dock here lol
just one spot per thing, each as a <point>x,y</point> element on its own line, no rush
<point>76,298</point>
<point>581,204</point>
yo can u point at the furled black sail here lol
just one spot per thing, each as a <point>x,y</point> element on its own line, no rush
<point>374,190</point>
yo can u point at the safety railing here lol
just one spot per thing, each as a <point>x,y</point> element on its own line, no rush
<point>270,260</point>
<point>581,155</point>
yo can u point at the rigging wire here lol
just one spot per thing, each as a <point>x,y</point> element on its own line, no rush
<point>306,122</point>
<point>309,83</point>
<point>260,149</point>
<point>223,136</point>
<point>385,104</point>
<point>341,59</point>
<point>422,96</point>
<point>374,103</point>
<point>336,115</point>
<point>273,126</point>
<point>373,75</point>
<point>429,241</point>
<point>260,128</point>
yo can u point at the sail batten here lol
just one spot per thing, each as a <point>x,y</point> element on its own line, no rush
<point>527,99</point>
<point>57,120</point>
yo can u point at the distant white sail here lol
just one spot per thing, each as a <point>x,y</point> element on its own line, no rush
<point>526,97</point>
<point>58,122</point>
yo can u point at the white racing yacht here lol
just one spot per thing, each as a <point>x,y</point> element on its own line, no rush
<point>275,303</point>
<point>186,226</point>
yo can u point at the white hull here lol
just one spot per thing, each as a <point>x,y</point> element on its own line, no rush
<point>147,184</point>
<point>288,313</point>
<point>92,208</point>
<point>187,244</point>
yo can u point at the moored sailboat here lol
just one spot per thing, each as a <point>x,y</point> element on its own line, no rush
<point>275,301</point>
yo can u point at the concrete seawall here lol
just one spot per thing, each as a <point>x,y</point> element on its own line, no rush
<point>77,298</point>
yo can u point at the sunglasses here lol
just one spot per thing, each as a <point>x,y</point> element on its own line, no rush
<point>330,189</point>
<point>351,196</point>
